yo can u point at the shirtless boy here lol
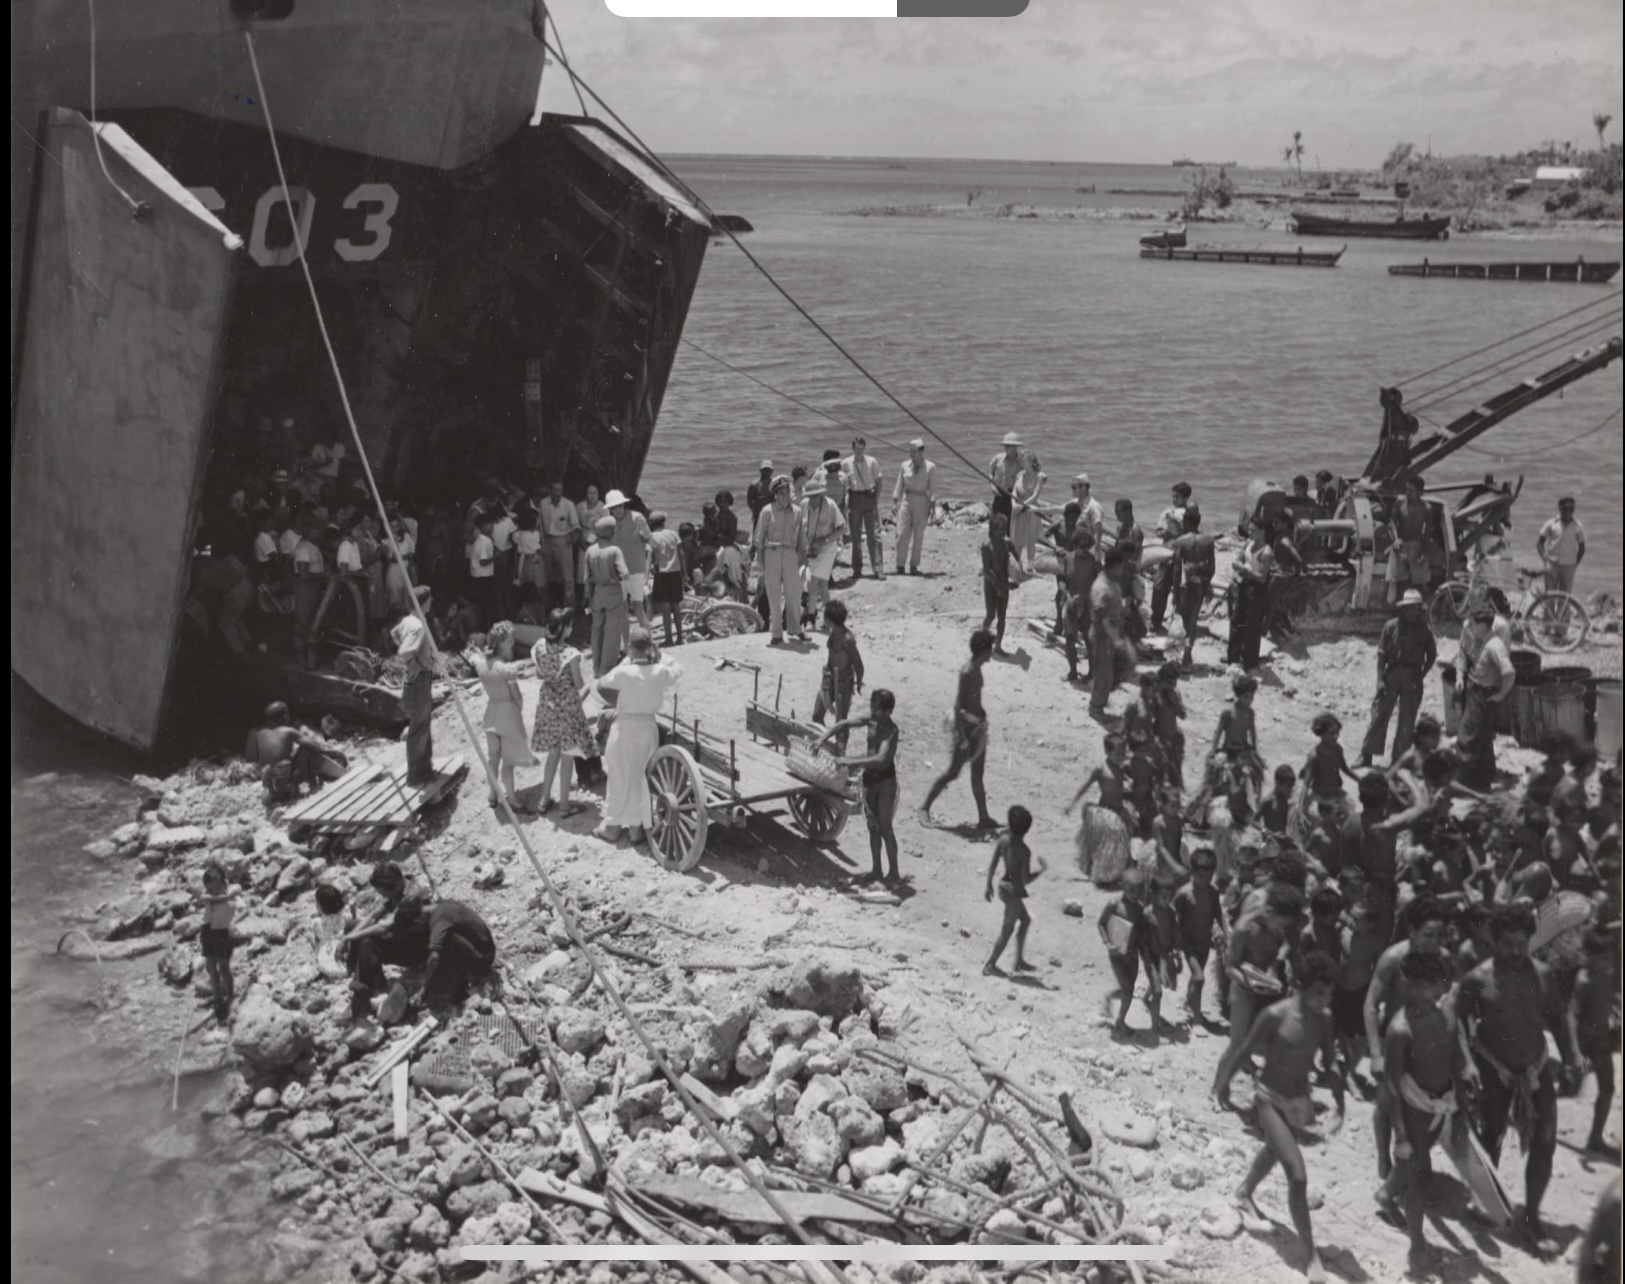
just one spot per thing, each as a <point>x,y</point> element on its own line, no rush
<point>1429,921</point>
<point>1420,1052</point>
<point>1257,941</point>
<point>970,734</point>
<point>1196,908</point>
<point>1505,1006</point>
<point>1290,1034</point>
<point>1020,868</point>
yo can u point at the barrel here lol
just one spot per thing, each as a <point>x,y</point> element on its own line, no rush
<point>1558,714</point>
<point>1526,665</point>
<point>1582,675</point>
<point>1518,718</point>
<point>1610,698</point>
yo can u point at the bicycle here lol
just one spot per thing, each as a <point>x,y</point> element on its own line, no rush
<point>717,617</point>
<point>1554,621</point>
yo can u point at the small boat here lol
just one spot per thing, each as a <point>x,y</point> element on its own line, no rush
<point>1299,257</point>
<point>1435,228</point>
<point>1168,238</point>
<point>730,223</point>
<point>1576,272</point>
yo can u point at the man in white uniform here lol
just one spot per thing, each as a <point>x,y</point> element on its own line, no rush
<point>914,497</point>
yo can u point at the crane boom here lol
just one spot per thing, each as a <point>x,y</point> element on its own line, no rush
<point>1388,463</point>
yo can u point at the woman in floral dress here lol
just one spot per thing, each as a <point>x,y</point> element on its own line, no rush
<point>561,731</point>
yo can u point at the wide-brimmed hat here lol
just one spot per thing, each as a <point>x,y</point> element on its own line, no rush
<point>1411,598</point>
<point>1013,439</point>
<point>614,499</point>
<point>1082,479</point>
<point>814,486</point>
<point>833,465</point>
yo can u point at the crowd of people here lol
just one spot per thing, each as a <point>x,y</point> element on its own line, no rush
<point>1399,942</point>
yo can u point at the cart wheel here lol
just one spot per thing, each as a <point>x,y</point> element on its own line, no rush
<point>725,619</point>
<point>819,815</point>
<point>1556,622</point>
<point>678,812</point>
<point>1448,609</point>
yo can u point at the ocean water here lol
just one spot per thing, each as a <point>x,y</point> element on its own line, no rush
<point>1141,372</point>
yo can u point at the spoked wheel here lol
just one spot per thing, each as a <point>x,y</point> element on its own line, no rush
<point>679,819</point>
<point>725,619</point>
<point>1556,622</point>
<point>819,815</point>
<point>1448,609</point>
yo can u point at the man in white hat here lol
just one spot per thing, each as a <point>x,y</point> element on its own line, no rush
<point>824,524</point>
<point>914,496</point>
<point>779,546</point>
<point>863,482</point>
<point>1405,653</point>
<point>1003,470</point>
<point>632,538</point>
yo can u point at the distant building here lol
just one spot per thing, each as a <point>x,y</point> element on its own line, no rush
<point>1553,176</point>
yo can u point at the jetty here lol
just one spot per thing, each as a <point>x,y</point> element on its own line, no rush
<point>1575,272</point>
<point>1299,257</point>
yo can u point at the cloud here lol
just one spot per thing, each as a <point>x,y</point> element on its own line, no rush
<point>1097,79</point>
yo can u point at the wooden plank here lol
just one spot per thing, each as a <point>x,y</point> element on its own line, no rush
<point>391,803</point>
<point>326,800</point>
<point>748,1206</point>
<point>401,1049</point>
<point>400,1085</point>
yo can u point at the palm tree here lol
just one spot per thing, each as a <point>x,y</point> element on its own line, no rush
<point>1292,153</point>
<point>1601,121</point>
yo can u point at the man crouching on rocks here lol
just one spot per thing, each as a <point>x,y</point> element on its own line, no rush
<point>447,939</point>
<point>289,756</point>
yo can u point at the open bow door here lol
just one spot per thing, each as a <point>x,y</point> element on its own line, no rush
<point>115,376</point>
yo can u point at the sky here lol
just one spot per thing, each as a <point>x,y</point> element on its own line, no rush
<point>1113,80</point>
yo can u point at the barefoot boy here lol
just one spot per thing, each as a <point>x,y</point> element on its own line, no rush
<point>879,779</point>
<point>1020,868</point>
<point>215,937</point>
<point>1289,1034</point>
<point>1257,942</point>
<point>970,735</point>
<point>1196,906</point>
<point>1419,1056</point>
<point>1125,932</point>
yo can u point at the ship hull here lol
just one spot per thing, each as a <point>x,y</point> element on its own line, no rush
<point>515,317</point>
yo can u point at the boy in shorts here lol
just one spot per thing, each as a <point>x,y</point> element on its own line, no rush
<point>215,938</point>
<point>1289,1033</point>
<point>1020,868</point>
<point>1125,933</point>
<point>1201,925</point>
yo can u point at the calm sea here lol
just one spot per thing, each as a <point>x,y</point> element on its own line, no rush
<point>1142,373</point>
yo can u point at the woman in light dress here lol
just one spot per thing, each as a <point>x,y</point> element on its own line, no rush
<point>1026,522</point>
<point>640,683</point>
<point>1104,851</point>
<point>505,740</point>
<point>561,731</point>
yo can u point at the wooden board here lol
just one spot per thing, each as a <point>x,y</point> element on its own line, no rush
<point>748,1206</point>
<point>373,797</point>
<point>400,1083</point>
<point>1476,1171</point>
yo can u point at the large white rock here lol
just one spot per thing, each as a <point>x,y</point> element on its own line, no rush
<point>266,1035</point>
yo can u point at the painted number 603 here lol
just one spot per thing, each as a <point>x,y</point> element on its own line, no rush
<point>377,201</point>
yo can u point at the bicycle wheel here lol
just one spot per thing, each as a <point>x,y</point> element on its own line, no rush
<point>1556,622</point>
<point>725,619</point>
<point>1448,609</point>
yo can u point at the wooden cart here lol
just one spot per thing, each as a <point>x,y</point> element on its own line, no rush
<point>697,778</point>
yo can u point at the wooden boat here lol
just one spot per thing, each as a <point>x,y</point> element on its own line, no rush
<point>1434,228</point>
<point>1576,272</point>
<point>1299,257</point>
<point>1169,238</point>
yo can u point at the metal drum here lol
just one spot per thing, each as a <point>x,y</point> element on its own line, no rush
<point>1558,714</point>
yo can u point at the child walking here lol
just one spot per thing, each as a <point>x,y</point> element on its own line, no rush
<point>1289,1034</point>
<point>1126,932</point>
<point>215,938</point>
<point>996,579</point>
<point>1020,868</point>
<point>1201,925</point>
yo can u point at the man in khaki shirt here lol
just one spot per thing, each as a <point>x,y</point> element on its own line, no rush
<point>914,498</point>
<point>779,546</point>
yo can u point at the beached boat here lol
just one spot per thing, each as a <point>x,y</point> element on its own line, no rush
<point>1574,272</point>
<point>503,299</point>
<point>1432,228</point>
<point>1299,257</point>
<point>1169,238</point>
